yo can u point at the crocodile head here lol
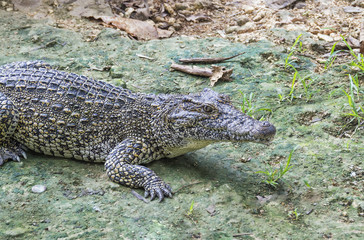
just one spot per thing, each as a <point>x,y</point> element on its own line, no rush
<point>208,117</point>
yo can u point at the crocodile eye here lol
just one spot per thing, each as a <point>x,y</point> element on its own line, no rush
<point>207,109</point>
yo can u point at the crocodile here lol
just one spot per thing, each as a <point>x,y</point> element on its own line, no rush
<point>67,115</point>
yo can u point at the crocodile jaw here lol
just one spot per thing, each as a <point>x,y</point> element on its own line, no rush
<point>188,146</point>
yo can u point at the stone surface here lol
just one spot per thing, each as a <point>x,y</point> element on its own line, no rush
<point>215,176</point>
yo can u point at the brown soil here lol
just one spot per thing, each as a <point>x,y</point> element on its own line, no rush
<point>239,20</point>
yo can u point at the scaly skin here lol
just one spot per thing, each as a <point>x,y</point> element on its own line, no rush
<point>64,114</point>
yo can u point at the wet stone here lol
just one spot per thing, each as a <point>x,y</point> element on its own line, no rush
<point>38,188</point>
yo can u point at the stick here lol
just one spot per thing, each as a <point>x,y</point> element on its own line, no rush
<point>138,196</point>
<point>203,72</point>
<point>188,185</point>
<point>146,57</point>
<point>208,60</point>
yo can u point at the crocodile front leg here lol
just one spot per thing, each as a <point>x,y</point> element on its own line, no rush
<point>9,118</point>
<point>121,167</point>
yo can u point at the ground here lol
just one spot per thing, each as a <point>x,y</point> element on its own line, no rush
<point>218,192</point>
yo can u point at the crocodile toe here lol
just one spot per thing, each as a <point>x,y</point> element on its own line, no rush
<point>158,188</point>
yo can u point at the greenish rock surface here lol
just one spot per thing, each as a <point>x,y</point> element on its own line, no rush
<point>230,201</point>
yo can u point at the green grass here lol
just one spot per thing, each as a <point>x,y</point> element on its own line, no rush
<point>293,50</point>
<point>359,59</point>
<point>297,79</point>
<point>190,211</point>
<point>332,57</point>
<point>294,215</point>
<point>305,81</point>
<point>357,111</point>
<point>250,109</point>
<point>273,175</point>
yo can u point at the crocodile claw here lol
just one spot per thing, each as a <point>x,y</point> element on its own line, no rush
<point>23,153</point>
<point>11,152</point>
<point>157,188</point>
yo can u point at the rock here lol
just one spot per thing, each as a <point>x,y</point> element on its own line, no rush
<point>248,27</point>
<point>318,47</point>
<point>169,9</point>
<point>117,72</point>
<point>241,21</point>
<point>350,9</point>
<point>248,9</point>
<point>159,19</point>
<point>259,16</point>
<point>358,3</point>
<point>300,5</point>
<point>297,27</point>
<point>177,26</point>
<point>285,16</point>
<point>361,210</point>
<point>278,4</point>
<point>171,21</point>
<point>325,37</point>
<point>181,6</point>
<point>38,188</point>
<point>231,29</point>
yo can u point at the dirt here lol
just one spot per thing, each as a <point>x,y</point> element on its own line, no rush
<point>218,192</point>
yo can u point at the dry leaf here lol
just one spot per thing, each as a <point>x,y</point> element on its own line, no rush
<point>263,199</point>
<point>220,73</point>
<point>211,210</point>
<point>215,74</point>
<point>136,28</point>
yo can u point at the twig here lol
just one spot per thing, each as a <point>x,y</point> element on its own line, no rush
<point>143,56</point>
<point>188,185</point>
<point>138,196</point>
<point>46,45</point>
<point>203,72</point>
<point>208,60</point>
<point>241,234</point>
<point>307,55</point>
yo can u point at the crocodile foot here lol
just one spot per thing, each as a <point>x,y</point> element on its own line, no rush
<point>157,187</point>
<point>11,152</point>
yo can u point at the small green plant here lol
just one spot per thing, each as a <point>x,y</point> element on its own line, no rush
<point>190,212</point>
<point>273,175</point>
<point>359,59</point>
<point>294,214</point>
<point>357,111</point>
<point>291,96</point>
<point>332,57</point>
<point>248,107</point>
<point>306,82</point>
<point>358,62</point>
<point>307,184</point>
<point>292,50</point>
<point>354,110</point>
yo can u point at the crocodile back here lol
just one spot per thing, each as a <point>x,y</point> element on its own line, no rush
<point>65,114</point>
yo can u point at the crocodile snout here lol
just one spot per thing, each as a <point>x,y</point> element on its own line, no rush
<point>265,131</point>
